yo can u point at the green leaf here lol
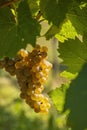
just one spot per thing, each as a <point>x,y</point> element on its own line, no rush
<point>65,31</point>
<point>68,75</point>
<point>34,6</point>
<point>76,101</point>
<point>7,24</point>
<point>51,32</point>
<point>51,10</point>
<point>28,26</point>
<point>78,16</point>
<point>17,31</point>
<point>58,97</point>
<point>74,54</point>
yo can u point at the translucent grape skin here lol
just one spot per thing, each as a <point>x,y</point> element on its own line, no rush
<point>31,70</point>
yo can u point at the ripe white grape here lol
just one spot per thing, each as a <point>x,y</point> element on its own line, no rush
<point>31,70</point>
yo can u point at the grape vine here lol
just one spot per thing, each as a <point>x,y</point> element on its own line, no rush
<point>22,22</point>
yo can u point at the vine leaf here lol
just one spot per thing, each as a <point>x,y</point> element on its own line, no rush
<point>74,54</point>
<point>27,25</point>
<point>16,35</point>
<point>66,31</point>
<point>76,101</point>
<point>78,16</point>
<point>51,10</point>
<point>58,97</point>
<point>51,32</point>
<point>34,6</point>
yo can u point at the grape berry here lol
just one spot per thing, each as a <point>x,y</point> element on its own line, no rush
<point>31,70</point>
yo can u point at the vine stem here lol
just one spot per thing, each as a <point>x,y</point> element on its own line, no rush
<point>38,15</point>
<point>42,20</point>
<point>5,4</point>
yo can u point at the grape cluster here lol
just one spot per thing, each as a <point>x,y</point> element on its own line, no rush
<point>31,70</point>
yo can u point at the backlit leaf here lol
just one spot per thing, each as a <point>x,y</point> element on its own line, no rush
<point>74,54</point>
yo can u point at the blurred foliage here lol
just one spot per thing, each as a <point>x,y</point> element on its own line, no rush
<point>76,98</point>
<point>15,114</point>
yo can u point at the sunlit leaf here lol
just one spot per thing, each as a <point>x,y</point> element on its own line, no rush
<point>58,97</point>
<point>74,54</point>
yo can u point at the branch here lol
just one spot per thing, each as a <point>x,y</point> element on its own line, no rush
<point>42,20</point>
<point>38,15</point>
<point>2,5</point>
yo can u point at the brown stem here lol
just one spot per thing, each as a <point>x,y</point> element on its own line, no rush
<point>42,20</point>
<point>38,15</point>
<point>2,5</point>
